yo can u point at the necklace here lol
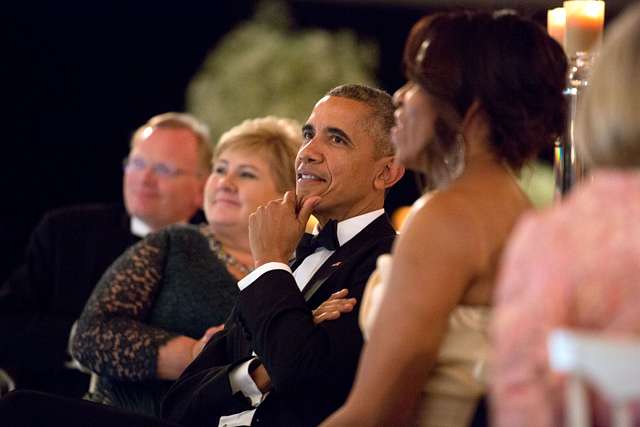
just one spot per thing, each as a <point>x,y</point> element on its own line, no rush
<point>222,255</point>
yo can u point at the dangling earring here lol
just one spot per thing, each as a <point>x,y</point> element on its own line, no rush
<point>454,158</point>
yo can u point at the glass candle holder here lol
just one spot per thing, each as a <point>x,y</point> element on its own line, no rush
<point>568,167</point>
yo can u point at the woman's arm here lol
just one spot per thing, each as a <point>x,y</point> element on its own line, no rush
<point>113,338</point>
<point>433,262</point>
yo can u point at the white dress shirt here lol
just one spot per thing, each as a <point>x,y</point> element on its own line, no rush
<point>139,228</point>
<point>239,377</point>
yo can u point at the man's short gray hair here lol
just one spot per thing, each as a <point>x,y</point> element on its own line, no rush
<point>380,121</point>
<point>186,121</point>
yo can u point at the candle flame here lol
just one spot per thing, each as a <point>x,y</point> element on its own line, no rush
<point>593,9</point>
<point>557,16</point>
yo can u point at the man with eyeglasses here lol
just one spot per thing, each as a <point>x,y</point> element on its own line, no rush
<point>164,176</point>
<point>165,171</point>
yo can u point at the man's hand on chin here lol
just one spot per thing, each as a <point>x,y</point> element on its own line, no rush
<point>276,229</point>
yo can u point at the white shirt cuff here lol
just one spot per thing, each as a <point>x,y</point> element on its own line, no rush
<point>255,274</point>
<point>240,380</point>
<point>237,420</point>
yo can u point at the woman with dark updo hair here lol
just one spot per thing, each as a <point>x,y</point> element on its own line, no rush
<point>484,95</point>
<point>576,265</point>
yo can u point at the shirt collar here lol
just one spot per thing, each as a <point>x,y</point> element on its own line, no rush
<point>138,227</point>
<point>348,228</point>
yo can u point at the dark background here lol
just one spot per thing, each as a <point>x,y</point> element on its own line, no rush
<point>78,78</point>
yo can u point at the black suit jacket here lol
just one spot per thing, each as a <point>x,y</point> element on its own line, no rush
<point>311,367</point>
<point>67,253</point>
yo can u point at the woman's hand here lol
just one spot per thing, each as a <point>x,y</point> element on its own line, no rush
<point>332,308</point>
<point>174,356</point>
<point>199,345</point>
<point>177,353</point>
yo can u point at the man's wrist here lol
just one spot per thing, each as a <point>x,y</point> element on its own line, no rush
<point>259,375</point>
<point>259,271</point>
<point>266,260</point>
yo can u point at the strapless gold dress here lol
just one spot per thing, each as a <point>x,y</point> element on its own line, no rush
<point>457,380</point>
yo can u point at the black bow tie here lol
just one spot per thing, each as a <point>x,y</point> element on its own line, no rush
<point>327,238</point>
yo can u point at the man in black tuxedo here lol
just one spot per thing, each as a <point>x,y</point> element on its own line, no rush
<point>301,371</point>
<point>71,248</point>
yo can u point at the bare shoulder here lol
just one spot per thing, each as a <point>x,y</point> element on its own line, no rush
<point>443,222</point>
<point>450,212</point>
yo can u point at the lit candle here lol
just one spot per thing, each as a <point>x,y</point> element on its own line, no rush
<point>555,24</point>
<point>584,25</point>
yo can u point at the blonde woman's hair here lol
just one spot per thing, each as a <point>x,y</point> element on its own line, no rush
<point>608,121</point>
<point>278,138</point>
<point>172,120</point>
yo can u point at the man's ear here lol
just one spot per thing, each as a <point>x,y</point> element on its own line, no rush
<point>389,173</point>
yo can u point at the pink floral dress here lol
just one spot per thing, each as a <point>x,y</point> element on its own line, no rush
<point>576,265</point>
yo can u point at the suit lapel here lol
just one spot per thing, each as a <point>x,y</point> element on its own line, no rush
<point>327,269</point>
<point>378,228</point>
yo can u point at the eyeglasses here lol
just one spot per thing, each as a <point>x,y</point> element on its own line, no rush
<point>162,170</point>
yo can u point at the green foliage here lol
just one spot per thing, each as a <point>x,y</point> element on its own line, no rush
<point>538,182</point>
<point>264,68</point>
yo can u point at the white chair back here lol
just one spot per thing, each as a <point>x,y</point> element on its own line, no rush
<point>611,365</point>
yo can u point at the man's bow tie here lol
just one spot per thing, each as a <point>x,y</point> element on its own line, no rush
<point>327,238</point>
